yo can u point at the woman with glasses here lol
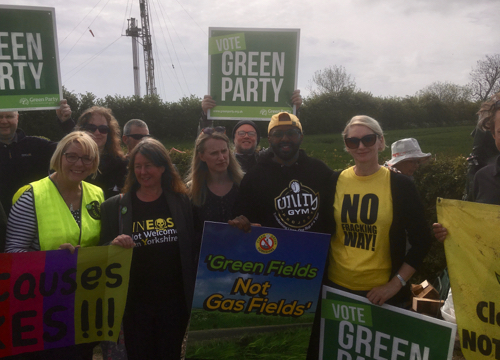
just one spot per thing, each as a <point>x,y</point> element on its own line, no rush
<point>154,217</point>
<point>104,129</point>
<point>214,178</point>
<point>61,211</point>
<point>374,210</point>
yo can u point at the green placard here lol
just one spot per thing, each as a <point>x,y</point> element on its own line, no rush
<point>354,329</point>
<point>252,72</point>
<point>29,63</point>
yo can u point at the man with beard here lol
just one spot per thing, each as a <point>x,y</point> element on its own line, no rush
<point>246,138</point>
<point>286,189</point>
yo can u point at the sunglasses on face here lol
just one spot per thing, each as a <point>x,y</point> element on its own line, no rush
<point>211,130</point>
<point>91,128</point>
<point>496,105</point>
<point>73,158</point>
<point>292,134</point>
<point>367,140</point>
<point>249,133</point>
<point>137,136</point>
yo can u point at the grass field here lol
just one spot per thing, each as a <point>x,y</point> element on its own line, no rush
<point>201,320</point>
<point>283,345</point>
<point>450,141</point>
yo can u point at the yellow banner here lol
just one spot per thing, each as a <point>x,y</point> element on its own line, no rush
<point>473,255</point>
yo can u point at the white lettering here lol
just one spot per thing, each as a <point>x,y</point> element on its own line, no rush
<point>6,75</point>
<point>3,46</point>
<point>37,74</point>
<point>379,346</point>
<point>347,340</point>
<point>227,86</point>
<point>34,45</point>
<point>16,46</point>
<point>227,66</point>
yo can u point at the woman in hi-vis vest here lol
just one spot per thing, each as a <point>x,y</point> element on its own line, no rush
<point>60,211</point>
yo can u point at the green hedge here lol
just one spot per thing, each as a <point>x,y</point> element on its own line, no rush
<point>442,177</point>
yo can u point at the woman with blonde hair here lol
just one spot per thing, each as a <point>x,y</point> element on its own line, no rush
<point>104,129</point>
<point>154,217</point>
<point>374,210</point>
<point>61,211</point>
<point>214,177</point>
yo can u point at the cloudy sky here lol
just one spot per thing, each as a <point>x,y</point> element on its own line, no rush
<point>390,47</point>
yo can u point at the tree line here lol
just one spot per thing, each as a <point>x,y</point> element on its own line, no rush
<point>334,99</point>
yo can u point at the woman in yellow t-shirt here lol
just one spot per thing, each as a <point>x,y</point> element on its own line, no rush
<point>375,209</point>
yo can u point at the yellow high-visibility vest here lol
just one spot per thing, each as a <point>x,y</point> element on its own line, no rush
<point>56,224</point>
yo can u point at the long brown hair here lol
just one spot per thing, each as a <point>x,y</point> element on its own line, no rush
<point>112,146</point>
<point>155,152</point>
<point>198,173</point>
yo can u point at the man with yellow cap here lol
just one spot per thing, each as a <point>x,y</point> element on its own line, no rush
<point>286,189</point>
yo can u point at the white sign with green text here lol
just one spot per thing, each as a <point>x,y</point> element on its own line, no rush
<point>252,72</point>
<point>29,64</point>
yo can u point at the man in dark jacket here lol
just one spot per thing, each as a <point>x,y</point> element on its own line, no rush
<point>287,189</point>
<point>23,158</point>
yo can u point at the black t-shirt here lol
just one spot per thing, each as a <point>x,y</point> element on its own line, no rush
<point>155,273</point>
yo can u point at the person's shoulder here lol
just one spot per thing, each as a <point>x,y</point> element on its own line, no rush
<point>113,200</point>
<point>32,140</point>
<point>318,164</point>
<point>488,170</point>
<point>399,177</point>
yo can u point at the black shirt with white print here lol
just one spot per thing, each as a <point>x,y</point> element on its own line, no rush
<point>156,264</point>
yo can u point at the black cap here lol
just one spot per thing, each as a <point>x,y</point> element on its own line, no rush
<point>247,122</point>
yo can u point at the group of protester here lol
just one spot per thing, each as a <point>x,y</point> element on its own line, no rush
<point>97,195</point>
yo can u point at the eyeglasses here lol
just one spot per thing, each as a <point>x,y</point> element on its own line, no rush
<point>367,140</point>
<point>292,134</point>
<point>211,130</point>
<point>91,128</point>
<point>137,136</point>
<point>73,158</point>
<point>249,133</point>
<point>496,105</point>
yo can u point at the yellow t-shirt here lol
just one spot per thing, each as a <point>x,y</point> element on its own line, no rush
<point>360,256</point>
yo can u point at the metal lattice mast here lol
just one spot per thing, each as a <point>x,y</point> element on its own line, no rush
<point>135,32</point>
<point>147,47</point>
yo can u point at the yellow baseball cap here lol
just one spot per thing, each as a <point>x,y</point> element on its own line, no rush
<point>284,118</point>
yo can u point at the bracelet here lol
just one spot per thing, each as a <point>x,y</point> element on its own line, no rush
<point>403,282</point>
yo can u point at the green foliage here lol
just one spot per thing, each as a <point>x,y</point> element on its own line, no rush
<point>443,177</point>
<point>181,159</point>
<point>167,121</point>
<point>201,320</point>
<point>283,345</point>
<point>327,113</point>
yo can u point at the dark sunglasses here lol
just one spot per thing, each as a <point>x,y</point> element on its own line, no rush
<point>367,140</point>
<point>211,130</point>
<point>496,105</point>
<point>73,158</point>
<point>91,128</point>
<point>137,136</point>
<point>290,133</point>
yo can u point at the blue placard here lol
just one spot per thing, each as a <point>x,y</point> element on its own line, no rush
<point>268,277</point>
